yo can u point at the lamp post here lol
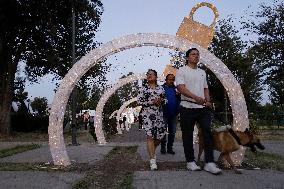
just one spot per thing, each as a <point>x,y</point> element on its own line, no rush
<point>74,92</point>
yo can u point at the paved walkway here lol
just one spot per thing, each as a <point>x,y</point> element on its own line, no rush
<point>254,179</point>
<point>37,180</point>
<point>90,153</point>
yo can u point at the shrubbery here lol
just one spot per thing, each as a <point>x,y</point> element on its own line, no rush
<point>23,122</point>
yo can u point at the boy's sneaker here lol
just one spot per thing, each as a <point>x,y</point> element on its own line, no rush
<point>153,165</point>
<point>192,166</point>
<point>212,168</point>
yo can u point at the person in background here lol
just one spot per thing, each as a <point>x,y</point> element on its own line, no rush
<point>170,112</point>
<point>151,98</point>
<point>86,117</point>
<point>92,128</point>
<point>191,83</point>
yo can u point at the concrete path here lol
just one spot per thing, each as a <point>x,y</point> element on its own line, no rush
<point>37,180</point>
<point>90,153</point>
<point>253,179</point>
<point>85,153</point>
<point>275,147</point>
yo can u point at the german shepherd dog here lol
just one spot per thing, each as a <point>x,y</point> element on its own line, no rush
<point>228,141</point>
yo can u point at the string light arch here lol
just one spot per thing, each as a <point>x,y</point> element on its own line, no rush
<point>55,129</point>
<point>103,100</point>
<point>125,104</point>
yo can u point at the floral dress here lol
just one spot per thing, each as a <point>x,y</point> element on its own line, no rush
<point>152,116</point>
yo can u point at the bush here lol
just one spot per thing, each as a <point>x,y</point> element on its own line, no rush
<point>22,122</point>
<point>109,126</point>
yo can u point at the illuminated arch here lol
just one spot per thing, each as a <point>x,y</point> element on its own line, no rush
<point>105,97</point>
<point>118,115</point>
<point>108,93</point>
<point>55,129</point>
<point>112,114</point>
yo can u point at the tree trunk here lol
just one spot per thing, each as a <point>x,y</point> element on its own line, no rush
<point>7,76</point>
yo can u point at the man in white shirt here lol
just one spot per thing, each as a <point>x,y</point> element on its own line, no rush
<point>191,83</point>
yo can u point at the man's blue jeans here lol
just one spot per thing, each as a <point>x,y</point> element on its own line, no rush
<point>171,124</point>
<point>188,118</point>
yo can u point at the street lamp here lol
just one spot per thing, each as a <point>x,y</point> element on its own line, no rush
<point>73,95</point>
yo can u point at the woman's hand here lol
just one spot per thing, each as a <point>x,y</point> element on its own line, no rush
<point>158,101</point>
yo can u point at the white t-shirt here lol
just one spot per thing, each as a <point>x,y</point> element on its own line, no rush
<point>195,82</point>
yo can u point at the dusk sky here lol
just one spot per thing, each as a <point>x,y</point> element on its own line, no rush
<point>123,17</point>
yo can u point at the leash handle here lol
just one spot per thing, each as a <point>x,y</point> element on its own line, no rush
<point>191,101</point>
<point>210,109</point>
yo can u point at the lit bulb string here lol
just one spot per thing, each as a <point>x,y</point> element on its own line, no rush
<point>105,97</point>
<point>121,109</point>
<point>111,91</point>
<point>112,114</point>
<point>56,139</point>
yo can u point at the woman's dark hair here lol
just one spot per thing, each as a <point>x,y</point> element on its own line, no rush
<point>169,76</point>
<point>155,72</point>
<point>187,54</point>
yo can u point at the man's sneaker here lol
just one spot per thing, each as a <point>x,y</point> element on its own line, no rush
<point>212,168</point>
<point>153,165</point>
<point>192,166</point>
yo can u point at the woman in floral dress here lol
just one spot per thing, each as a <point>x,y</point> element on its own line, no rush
<point>152,96</point>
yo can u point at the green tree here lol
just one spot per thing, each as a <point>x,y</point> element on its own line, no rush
<point>40,105</point>
<point>229,47</point>
<point>40,32</point>
<point>94,98</point>
<point>268,49</point>
<point>20,95</point>
<point>114,103</point>
<point>129,90</point>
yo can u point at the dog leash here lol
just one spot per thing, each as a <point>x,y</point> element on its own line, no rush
<point>231,131</point>
<point>211,110</point>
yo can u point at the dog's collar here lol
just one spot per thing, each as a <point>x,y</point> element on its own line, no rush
<point>231,131</point>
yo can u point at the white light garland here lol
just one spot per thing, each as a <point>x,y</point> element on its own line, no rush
<point>55,129</point>
<point>112,114</point>
<point>118,115</point>
<point>103,100</point>
<point>108,93</point>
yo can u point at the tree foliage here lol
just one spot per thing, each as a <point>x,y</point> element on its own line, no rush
<point>40,33</point>
<point>129,90</point>
<point>40,105</point>
<point>268,49</point>
<point>229,47</point>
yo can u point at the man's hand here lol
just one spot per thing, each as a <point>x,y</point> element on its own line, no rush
<point>208,104</point>
<point>199,100</point>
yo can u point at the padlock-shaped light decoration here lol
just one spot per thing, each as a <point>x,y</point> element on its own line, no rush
<point>195,31</point>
